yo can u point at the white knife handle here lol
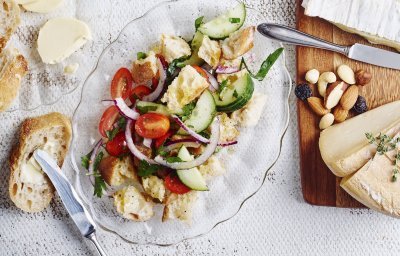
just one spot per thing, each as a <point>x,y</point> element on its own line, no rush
<point>292,36</point>
<point>92,237</point>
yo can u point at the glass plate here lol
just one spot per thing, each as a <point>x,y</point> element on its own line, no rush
<point>45,84</point>
<point>247,163</point>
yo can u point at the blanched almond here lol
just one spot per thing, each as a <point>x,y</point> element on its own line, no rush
<point>317,105</point>
<point>349,97</point>
<point>326,121</point>
<point>334,93</point>
<point>346,74</point>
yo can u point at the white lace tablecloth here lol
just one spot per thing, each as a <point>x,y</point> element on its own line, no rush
<point>276,221</point>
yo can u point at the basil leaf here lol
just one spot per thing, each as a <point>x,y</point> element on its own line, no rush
<point>141,55</point>
<point>85,161</point>
<point>198,22</point>
<point>146,169</point>
<point>173,159</point>
<point>265,66</point>
<point>146,109</point>
<point>176,63</point>
<point>234,20</point>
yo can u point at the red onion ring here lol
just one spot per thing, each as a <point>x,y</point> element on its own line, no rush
<point>189,143</point>
<point>208,151</point>
<point>147,142</point>
<point>213,82</point>
<point>92,159</point>
<point>125,110</point>
<point>228,143</point>
<point>190,131</point>
<point>226,70</point>
<point>135,151</point>
<point>157,92</point>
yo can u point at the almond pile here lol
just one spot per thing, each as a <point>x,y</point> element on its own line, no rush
<point>337,97</point>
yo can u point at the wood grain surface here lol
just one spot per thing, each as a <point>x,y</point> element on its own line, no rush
<point>319,185</point>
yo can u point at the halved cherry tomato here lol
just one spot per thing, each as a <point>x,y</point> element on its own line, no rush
<point>152,125</point>
<point>160,141</point>
<point>139,92</point>
<point>121,84</point>
<point>117,145</point>
<point>201,71</point>
<point>108,119</point>
<point>175,185</point>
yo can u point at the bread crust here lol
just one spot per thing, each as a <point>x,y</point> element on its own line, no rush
<point>12,73</point>
<point>32,129</point>
<point>12,12</point>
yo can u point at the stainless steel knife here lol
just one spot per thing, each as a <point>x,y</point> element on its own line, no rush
<point>70,199</point>
<point>358,52</point>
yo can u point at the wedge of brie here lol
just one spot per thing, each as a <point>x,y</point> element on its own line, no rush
<point>372,186</point>
<point>345,148</point>
<point>60,37</point>
<point>376,20</point>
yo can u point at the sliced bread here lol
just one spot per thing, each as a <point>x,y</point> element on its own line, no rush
<point>9,21</point>
<point>13,67</point>
<point>29,188</point>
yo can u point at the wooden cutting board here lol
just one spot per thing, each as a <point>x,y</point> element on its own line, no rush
<point>319,185</point>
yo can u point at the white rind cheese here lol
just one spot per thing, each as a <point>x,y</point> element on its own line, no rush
<point>376,20</point>
<point>344,147</point>
<point>40,6</point>
<point>373,187</point>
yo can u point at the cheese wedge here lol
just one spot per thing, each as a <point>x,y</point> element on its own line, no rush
<point>60,37</point>
<point>344,147</point>
<point>376,20</point>
<point>41,6</point>
<point>372,186</point>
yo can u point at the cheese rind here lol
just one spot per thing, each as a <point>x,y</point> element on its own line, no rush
<point>346,142</point>
<point>60,37</point>
<point>354,16</point>
<point>41,6</point>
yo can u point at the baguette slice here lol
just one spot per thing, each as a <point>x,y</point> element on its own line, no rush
<point>13,67</point>
<point>9,21</point>
<point>31,190</point>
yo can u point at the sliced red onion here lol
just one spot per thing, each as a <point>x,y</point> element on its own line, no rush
<point>190,131</point>
<point>226,70</point>
<point>214,83</point>
<point>157,92</point>
<point>92,160</point>
<point>125,110</point>
<point>208,151</point>
<point>147,142</point>
<point>189,143</point>
<point>228,143</point>
<point>135,151</point>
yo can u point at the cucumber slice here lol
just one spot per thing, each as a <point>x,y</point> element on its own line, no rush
<point>146,107</point>
<point>195,45</point>
<point>202,115</point>
<point>236,95</point>
<point>192,177</point>
<point>222,26</point>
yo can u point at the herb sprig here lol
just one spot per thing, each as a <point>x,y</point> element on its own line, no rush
<point>384,143</point>
<point>265,66</point>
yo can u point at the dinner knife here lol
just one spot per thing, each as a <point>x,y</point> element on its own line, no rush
<point>70,199</point>
<point>357,52</point>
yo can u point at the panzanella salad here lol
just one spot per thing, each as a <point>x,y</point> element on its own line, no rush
<point>171,113</point>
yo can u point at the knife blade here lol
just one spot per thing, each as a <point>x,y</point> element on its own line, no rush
<point>359,52</point>
<point>69,197</point>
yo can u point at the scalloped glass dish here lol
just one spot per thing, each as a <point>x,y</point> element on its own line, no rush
<point>247,163</point>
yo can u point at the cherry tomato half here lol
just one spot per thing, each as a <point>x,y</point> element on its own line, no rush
<point>108,119</point>
<point>121,84</point>
<point>152,125</point>
<point>117,145</point>
<point>139,92</point>
<point>175,185</point>
<point>201,71</point>
<point>160,141</point>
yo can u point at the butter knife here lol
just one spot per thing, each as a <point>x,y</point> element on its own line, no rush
<point>70,199</point>
<point>359,52</point>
